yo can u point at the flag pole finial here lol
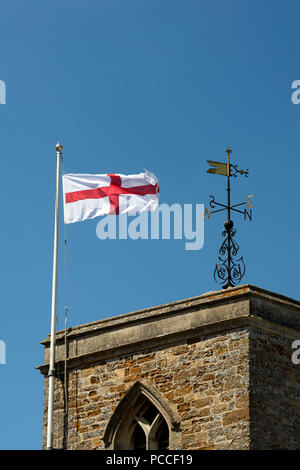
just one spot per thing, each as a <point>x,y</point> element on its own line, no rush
<point>58,147</point>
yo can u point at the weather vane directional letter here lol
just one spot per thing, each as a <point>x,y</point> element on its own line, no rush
<point>229,270</point>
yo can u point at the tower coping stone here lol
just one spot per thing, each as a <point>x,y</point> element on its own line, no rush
<point>195,317</point>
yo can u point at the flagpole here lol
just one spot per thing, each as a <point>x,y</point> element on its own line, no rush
<point>51,374</point>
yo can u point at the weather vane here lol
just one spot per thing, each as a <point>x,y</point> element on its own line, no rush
<point>229,270</point>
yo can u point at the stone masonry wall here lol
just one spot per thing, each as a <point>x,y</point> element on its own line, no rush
<point>205,381</point>
<point>274,393</point>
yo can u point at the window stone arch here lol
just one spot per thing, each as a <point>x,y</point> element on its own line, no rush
<point>142,420</point>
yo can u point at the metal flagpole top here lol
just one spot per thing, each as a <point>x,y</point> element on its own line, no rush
<point>58,147</point>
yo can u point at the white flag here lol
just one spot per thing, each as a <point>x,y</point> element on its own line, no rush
<point>89,196</point>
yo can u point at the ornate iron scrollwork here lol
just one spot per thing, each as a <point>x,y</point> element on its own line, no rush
<point>228,270</point>
<point>234,171</point>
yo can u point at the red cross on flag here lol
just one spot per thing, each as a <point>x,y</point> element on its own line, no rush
<point>89,196</point>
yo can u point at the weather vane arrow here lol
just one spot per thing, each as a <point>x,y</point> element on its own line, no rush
<point>229,270</point>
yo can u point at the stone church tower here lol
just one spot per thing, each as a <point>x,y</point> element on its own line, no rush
<point>209,372</point>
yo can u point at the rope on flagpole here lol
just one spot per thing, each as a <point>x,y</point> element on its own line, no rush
<point>66,313</point>
<point>66,321</point>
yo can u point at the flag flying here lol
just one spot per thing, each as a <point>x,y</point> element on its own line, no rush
<point>89,196</point>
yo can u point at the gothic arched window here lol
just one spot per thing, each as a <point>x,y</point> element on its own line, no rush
<point>151,430</point>
<point>139,423</point>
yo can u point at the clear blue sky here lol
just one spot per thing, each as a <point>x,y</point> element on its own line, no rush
<point>127,85</point>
